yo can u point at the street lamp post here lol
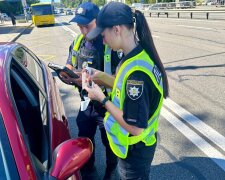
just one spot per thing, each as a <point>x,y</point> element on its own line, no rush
<point>24,3</point>
<point>53,5</point>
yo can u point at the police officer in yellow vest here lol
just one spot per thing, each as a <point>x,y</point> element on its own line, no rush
<point>99,57</point>
<point>138,90</point>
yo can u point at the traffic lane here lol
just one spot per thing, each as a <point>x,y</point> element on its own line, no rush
<point>209,44</point>
<point>192,83</point>
<point>169,47</point>
<point>195,71</point>
<point>195,68</point>
<point>177,158</point>
<point>195,22</point>
<point>195,16</point>
<point>193,96</point>
<point>203,31</point>
<point>197,85</point>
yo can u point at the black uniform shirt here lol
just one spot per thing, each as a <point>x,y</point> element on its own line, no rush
<point>141,96</point>
<point>100,48</point>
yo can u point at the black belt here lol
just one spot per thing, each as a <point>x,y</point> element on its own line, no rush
<point>137,145</point>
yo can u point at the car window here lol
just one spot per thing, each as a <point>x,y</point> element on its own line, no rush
<point>8,168</point>
<point>31,63</point>
<point>31,102</point>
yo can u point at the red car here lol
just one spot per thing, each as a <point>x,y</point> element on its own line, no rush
<point>34,136</point>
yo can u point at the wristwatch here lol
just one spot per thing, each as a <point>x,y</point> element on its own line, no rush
<point>105,100</point>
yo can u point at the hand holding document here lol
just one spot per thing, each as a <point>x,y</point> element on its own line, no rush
<point>85,100</point>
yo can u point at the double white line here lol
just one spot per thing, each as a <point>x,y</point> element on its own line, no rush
<point>200,126</point>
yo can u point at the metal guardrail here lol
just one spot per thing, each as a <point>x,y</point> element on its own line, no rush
<point>191,11</point>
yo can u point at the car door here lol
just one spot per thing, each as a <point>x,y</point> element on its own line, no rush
<point>58,124</point>
<point>28,90</point>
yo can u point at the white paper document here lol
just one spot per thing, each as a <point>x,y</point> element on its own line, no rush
<point>84,104</point>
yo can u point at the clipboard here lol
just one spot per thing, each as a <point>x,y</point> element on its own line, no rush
<point>58,69</point>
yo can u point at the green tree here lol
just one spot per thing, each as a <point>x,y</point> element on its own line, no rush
<point>129,2</point>
<point>14,7</point>
<point>99,2</point>
<point>75,3</point>
<point>29,2</point>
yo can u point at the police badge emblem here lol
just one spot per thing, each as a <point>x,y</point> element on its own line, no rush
<point>80,11</point>
<point>120,54</point>
<point>134,89</point>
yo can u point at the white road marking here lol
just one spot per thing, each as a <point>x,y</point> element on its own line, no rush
<point>204,146</point>
<point>155,36</point>
<point>196,27</point>
<point>196,123</point>
<point>74,34</point>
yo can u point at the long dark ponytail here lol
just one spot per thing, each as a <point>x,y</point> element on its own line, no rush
<point>146,41</point>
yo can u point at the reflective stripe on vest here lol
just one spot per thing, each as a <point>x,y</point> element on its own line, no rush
<point>107,60</point>
<point>107,64</point>
<point>76,45</point>
<point>119,139</point>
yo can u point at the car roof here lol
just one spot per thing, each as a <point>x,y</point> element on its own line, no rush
<point>7,45</point>
<point>5,49</point>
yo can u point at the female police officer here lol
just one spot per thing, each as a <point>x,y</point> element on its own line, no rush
<point>138,90</point>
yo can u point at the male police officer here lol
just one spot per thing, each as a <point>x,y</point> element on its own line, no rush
<point>99,57</point>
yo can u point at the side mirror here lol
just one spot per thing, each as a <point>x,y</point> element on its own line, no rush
<point>70,156</point>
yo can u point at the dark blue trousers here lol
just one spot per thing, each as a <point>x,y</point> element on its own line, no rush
<point>136,166</point>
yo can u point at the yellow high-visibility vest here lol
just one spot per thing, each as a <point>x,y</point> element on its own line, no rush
<point>118,137</point>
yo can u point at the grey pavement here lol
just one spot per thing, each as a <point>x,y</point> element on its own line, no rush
<point>9,33</point>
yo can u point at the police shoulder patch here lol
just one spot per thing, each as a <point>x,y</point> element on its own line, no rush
<point>134,89</point>
<point>157,74</point>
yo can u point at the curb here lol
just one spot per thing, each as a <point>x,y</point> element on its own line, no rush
<point>19,34</point>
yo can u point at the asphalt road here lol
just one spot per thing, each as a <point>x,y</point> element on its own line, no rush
<point>191,142</point>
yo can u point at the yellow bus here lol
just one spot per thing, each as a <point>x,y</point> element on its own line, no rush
<point>42,14</point>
